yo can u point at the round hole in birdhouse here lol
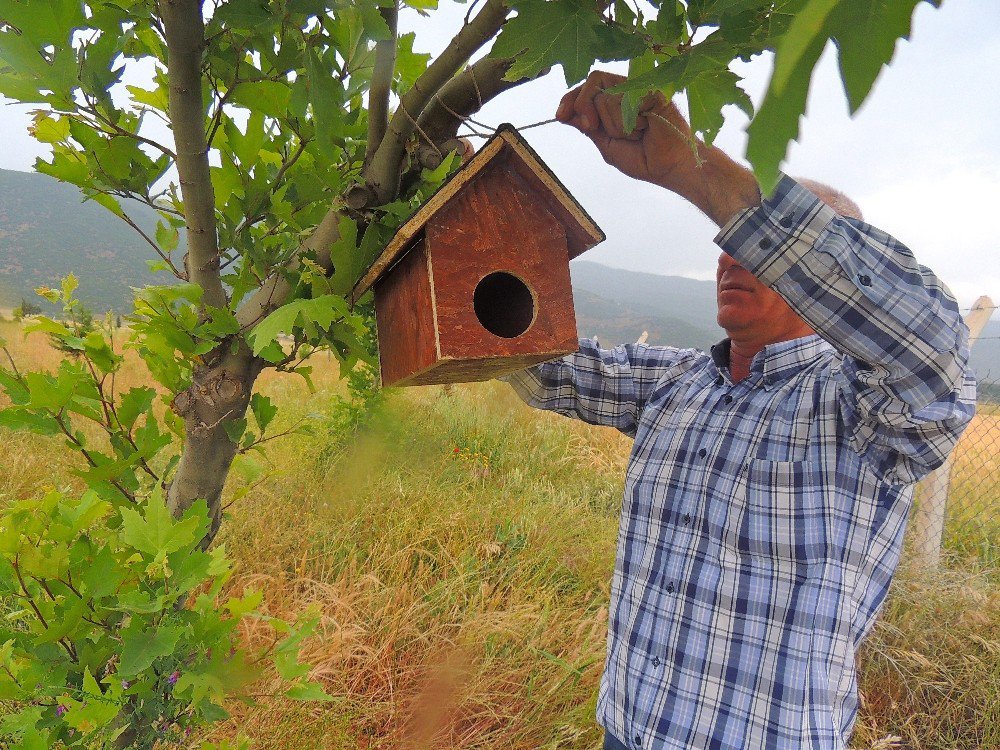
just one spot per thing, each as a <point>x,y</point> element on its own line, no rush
<point>504,304</point>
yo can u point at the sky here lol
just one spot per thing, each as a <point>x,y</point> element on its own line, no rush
<point>922,156</point>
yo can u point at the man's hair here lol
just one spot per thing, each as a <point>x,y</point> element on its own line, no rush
<point>835,199</point>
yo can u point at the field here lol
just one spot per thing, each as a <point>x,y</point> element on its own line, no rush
<point>459,546</point>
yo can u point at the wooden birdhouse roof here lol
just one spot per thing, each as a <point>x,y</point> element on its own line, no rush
<point>512,152</point>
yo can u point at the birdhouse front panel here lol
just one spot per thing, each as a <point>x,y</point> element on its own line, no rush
<point>500,272</point>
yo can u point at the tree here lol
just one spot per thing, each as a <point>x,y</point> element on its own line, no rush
<point>304,132</point>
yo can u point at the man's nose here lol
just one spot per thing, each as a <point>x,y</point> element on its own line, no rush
<point>726,262</point>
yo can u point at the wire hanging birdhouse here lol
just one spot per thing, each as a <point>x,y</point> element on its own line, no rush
<point>476,284</point>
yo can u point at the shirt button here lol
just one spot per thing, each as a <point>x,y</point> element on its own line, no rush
<point>638,741</point>
<point>656,661</point>
<point>687,518</point>
<point>702,453</point>
<point>728,399</point>
<point>720,380</point>
<point>865,280</point>
<point>765,243</point>
<point>787,221</point>
<point>670,587</point>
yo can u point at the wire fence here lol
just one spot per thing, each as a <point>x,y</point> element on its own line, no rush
<point>957,509</point>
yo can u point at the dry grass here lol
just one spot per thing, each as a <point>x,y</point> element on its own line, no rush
<point>463,594</point>
<point>973,517</point>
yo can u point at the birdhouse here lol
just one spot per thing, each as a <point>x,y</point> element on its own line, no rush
<point>476,284</point>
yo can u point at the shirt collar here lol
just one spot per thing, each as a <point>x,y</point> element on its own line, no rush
<point>779,361</point>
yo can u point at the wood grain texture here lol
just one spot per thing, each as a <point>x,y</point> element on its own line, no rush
<point>498,223</point>
<point>404,318</point>
<point>474,370</point>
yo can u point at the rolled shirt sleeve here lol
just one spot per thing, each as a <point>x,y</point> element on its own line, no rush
<point>907,392</point>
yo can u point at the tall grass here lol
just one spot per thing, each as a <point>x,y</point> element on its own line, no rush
<point>459,548</point>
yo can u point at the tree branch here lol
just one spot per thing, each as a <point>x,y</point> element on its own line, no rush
<point>184,29</point>
<point>274,293</point>
<point>381,85</point>
<point>464,95</point>
<point>382,174</point>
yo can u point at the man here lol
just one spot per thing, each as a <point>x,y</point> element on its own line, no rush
<point>770,480</point>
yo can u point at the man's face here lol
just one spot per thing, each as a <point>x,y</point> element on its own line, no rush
<point>749,310</point>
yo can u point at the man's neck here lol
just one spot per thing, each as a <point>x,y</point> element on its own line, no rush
<point>742,351</point>
<point>739,361</point>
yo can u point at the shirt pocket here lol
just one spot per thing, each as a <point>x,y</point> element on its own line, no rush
<point>782,523</point>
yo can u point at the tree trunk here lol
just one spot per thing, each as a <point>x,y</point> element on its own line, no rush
<point>219,394</point>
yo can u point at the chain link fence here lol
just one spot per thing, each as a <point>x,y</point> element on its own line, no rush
<point>957,509</point>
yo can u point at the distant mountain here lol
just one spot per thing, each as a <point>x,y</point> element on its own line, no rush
<point>47,231</point>
<point>665,297</point>
<point>986,355</point>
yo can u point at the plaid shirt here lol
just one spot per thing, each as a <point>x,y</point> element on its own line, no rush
<point>762,520</point>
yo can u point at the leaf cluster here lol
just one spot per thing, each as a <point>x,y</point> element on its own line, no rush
<point>116,631</point>
<point>690,47</point>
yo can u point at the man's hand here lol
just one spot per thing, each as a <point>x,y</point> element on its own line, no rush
<point>661,150</point>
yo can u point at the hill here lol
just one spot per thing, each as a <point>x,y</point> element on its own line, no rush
<point>47,231</point>
<point>663,297</point>
<point>616,321</point>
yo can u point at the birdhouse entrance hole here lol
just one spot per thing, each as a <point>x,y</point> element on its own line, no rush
<point>504,304</point>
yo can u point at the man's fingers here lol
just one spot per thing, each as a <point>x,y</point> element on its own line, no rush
<point>566,111</point>
<point>610,109</point>
<point>585,106</point>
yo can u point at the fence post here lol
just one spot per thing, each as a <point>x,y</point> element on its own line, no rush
<point>928,520</point>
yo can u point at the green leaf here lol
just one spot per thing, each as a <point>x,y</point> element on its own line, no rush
<point>98,709</point>
<point>136,401</point>
<point>309,691</point>
<point>156,533</point>
<point>99,351</point>
<point>246,15</point>
<point>794,56</point>
<point>321,311</point>
<point>866,32</point>
<point>548,33</point>
<point>777,120</point>
<point>48,129</point>
<point>346,260</point>
<point>263,410</point>
<point>16,418</point>
<point>326,98</point>
<point>269,97</point>
<point>68,616</point>
<point>235,428</point>
<point>167,236</point>
<point>707,94</point>
<point>247,145</point>
<point>140,648</point>
<point>238,607</point>
<point>103,575</point>
<point>409,64</point>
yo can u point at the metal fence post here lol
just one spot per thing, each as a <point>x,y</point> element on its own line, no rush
<point>928,520</point>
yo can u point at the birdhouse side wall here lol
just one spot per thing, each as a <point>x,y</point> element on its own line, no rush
<point>498,223</point>
<point>404,317</point>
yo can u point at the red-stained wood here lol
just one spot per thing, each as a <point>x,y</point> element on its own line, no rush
<point>497,223</point>
<point>472,370</point>
<point>509,148</point>
<point>404,317</point>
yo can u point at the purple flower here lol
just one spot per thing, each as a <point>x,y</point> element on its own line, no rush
<point>124,684</point>
<point>172,679</point>
<point>61,710</point>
